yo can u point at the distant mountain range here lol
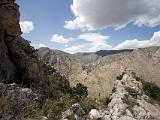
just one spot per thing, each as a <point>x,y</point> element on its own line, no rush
<point>98,70</point>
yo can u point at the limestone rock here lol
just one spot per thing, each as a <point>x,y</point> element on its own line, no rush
<point>128,102</point>
<point>9,16</point>
<point>75,112</point>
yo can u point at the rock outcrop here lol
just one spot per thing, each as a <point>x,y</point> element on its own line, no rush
<point>18,60</point>
<point>9,27</point>
<point>128,102</point>
<point>26,82</point>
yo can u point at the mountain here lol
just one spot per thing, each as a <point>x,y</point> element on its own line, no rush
<point>49,84</point>
<point>98,70</point>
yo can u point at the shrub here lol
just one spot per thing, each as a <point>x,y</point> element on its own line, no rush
<point>87,104</point>
<point>53,108</point>
<point>152,90</point>
<point>104,102</point>
<point>30,109</point>
<point>79,92</point>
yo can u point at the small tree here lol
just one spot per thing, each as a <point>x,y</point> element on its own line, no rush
<point>79,91</point>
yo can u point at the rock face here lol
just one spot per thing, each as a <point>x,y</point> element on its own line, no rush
<point>9,16</point>
<point>18,64</point>
<point>128,102</point>
<point>9,26</point>
<point>100,69</point>
<point>26,82</point>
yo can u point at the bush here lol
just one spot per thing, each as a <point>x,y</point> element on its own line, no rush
<point>53,108</point>
<point>104,102</point>
<point>87,104</point>
<point>79,92</point>
<point>30,110</point>
<point>152,90</point>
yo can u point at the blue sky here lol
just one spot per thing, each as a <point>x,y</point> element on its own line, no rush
<point>90,25</point>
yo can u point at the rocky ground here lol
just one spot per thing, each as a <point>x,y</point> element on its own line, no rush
<point>127,102</point>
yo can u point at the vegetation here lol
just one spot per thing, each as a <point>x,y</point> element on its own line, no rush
<point>30,109</point>
<point>79,92</point>
<point>152,90</point>
<point>87,104</point>
<point>132,92</point>
<point>104,102</point>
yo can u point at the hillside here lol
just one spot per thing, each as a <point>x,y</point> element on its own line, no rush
<point>98,71</point>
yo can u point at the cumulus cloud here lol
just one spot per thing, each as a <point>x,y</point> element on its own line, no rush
<point>96,14</point>
<point>93,45</point>
<point>74,49</point>
<point>60,39</point>
<point>26,26</point>
<point>132,44</point>
<point>93,37</point>
<point>93,42</point>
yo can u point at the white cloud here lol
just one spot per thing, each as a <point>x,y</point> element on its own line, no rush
<point>74,49</point>
<point>59,39</point>
<point>26,26</point>
<point>132,44</point>
<point>95,42</point>
<point>93,37</point>
<point>95,14</point>
<point>37,46</point>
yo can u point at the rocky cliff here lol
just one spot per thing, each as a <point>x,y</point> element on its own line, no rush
<point>27,84</point>
<point>100,69</point>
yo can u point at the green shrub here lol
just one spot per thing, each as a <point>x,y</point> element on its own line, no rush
<point>79,92</point>
<point>30,110</point>
<point>152,90</point>
<point>87,104</point>
<point>104,102</point>
<point>53,108</point>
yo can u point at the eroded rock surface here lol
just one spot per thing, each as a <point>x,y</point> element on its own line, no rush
<point>128,102</point>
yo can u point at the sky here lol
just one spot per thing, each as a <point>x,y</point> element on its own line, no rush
<point>90,25</point>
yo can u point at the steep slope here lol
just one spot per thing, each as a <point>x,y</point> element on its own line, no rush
<point>129,101</point>
<point>97,72</point>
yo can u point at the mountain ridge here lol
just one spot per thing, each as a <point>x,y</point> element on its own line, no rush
<point>96,72</point>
